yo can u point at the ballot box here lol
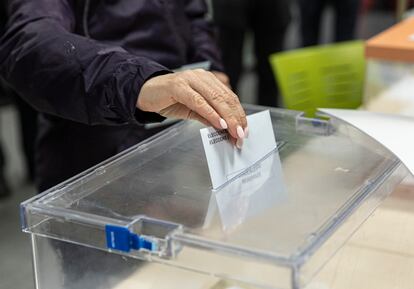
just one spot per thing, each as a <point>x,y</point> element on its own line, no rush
<point>149,218</point>
<point>390,70</point>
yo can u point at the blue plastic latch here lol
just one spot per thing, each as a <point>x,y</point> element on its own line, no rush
<point>121,239</point>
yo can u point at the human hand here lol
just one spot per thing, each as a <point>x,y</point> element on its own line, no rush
<point>195,94</point>
<point>223,78</point>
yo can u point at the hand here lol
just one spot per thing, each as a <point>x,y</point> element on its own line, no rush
<point>223,78</point>
<point>195,94</point>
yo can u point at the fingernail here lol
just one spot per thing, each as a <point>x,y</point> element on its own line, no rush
<point>239,144</point>
<point>246,132</point>
<point>240,132</point>
<point>223,124</point>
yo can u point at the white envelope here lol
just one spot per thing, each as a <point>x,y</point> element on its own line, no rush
<point>225,161</point>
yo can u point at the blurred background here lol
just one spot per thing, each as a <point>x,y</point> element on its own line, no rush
<point>254,31</point>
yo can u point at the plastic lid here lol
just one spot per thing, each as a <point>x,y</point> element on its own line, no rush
<point>275,225</point>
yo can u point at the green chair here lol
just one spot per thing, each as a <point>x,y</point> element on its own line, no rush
<point>321,76</point>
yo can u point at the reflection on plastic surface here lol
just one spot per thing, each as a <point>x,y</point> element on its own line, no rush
<point>259,188</point>
<point>392,131</point>
<point>264,228</point>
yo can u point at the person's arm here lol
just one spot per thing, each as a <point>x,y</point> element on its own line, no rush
<point>68,75</point>
<point>76,78</point>
<point>196,94</point>
<point>203,46</point>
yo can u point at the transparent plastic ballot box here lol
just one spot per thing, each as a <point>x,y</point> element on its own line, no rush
<point>389,82</point>
<point>148,218</point>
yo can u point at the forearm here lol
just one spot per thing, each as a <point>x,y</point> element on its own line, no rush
<point>70,76</point>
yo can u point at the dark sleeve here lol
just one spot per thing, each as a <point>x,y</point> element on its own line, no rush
<point>68,75</point>
<point>3,17</point>
<point>204,45</point>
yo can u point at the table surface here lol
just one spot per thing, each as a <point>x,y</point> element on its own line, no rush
<point>380,255</point>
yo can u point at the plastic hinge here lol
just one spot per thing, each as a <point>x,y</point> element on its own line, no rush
<point>121,239</point>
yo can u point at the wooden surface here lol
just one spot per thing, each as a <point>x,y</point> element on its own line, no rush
<point>381,253</point>
<point>395,44</point>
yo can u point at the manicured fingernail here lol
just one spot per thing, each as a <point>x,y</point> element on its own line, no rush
<point>240,132</point>
<point>246,132</point>
<point>239,144</point>
<point>223,124</point>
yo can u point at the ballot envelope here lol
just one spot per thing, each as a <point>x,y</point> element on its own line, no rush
<point>149,218</point>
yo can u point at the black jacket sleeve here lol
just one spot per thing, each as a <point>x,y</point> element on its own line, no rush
<point>68,75</point>
<point>204,45</point>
